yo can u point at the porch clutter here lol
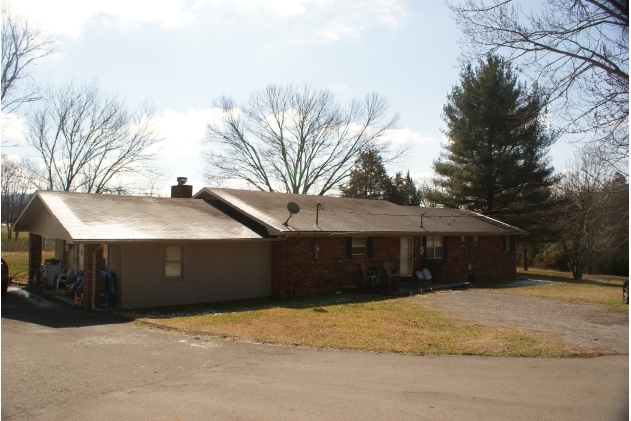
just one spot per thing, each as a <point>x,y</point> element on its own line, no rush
<point>391,272</point>
<point>75,284</point>
<point>423,275</point>
<point>369,275</point>
<point>64,277</point>
<point>107,296</point>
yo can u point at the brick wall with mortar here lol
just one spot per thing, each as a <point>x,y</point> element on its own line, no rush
<point>296,271</point>
<point>34,254</point>
<point>489,260</point>
<point>88,270</point>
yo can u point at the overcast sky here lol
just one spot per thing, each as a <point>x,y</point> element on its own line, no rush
<point>181,55</point>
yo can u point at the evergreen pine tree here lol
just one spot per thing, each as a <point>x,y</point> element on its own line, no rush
<point>495,159</point>
<point>368,178</point>
<point>403,190</point>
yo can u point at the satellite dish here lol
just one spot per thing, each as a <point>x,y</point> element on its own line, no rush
<point>293,207</point>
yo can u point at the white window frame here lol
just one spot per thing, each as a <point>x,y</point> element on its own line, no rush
<point>508,243</point>
<point>476,241</point>
<point>431,249</point>
<point>463,241</point>
<point>359,246</point>
<point>180,276</point>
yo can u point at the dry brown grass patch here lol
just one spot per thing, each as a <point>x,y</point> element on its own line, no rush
<point>402,325</point>
<point>597,289</point>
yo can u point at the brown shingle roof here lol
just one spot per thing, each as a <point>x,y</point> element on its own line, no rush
<point>99,217</point>
<point>354,215</point>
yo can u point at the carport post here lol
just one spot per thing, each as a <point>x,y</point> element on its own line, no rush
<point>34,255</point>
<point>94,275</point>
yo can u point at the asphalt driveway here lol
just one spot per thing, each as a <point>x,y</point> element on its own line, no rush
<point>60,364</point>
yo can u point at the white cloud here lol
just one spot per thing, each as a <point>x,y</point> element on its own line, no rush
<point>423,175</point>
<point>398,136</point>
<point>67,17</point>
<point>13,157</point>
<point>328,21</point>
<point>183,133</point>
<point>280,7</point>
<point>312,20</point>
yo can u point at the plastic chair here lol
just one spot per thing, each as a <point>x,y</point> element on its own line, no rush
<point>391,272</point>
<point>64,277</point>
<point>368,275</point>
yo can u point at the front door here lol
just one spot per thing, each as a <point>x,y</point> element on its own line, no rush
<point>406,264</point>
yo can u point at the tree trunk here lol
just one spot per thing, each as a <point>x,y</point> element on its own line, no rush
<point>525,257</point>
<point>8,231</point>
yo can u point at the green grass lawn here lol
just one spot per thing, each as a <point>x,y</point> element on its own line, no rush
<point>15,253</point>
<point>18,263</point>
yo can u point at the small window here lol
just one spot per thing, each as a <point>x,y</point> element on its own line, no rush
<point>463,241</point>
<point>475,241</point>
<point>173,263</point>
<point>359,245</point>
<point>507,241</point>
<point>434,246</point>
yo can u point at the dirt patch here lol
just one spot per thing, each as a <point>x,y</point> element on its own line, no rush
<point>587,325</point>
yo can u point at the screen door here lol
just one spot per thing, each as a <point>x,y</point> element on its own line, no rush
<point>406,263</point>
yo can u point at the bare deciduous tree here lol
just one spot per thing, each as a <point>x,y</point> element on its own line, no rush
<point>577,49</point>
<point>294,139</point>
<point>90,142</point>
<point>589,211</point>
<point>23,44</point>
<point>19,181</point>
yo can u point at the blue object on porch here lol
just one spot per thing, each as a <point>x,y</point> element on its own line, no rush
<point>107,297</point>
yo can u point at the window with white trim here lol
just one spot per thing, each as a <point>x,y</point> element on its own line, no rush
<point>434,247</point>
<point>173,262</point>
<point>463,241</point>
<point>475,241</point>
<point>359,246</point>
<point>507,241</point>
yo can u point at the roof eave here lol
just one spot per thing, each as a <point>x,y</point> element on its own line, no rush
<point>37,196</point>
<point>207,193</point>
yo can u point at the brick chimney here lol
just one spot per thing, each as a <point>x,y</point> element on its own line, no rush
<point>182,191</point>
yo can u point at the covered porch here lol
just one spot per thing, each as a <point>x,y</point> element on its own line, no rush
<point>412,286</point>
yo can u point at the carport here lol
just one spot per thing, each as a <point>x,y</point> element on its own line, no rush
<point>164,251</point>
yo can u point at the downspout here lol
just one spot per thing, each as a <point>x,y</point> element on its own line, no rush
<point>94,275</point>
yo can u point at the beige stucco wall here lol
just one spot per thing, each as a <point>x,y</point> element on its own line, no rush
<point>211,272</point>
